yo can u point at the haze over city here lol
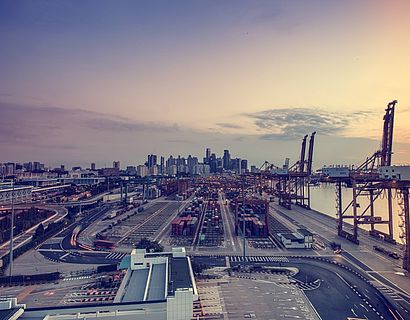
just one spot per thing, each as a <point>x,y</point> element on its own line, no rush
<point>80,79</point>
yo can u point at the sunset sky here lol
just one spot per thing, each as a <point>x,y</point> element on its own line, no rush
<point>98,81</point>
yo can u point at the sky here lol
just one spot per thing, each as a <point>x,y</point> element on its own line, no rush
<point>97,81</point>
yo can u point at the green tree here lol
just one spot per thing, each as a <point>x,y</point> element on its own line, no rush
<point>39,232</point>
<point>149,245</point>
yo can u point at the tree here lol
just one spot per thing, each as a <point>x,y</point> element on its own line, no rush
<point>39,232</point>
<point>151,246</point>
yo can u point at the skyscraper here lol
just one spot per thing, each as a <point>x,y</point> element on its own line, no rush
<point>207,155</point>
<point>162,165</point>
<point>152,160</point>
<point>226,160</point>
<point>244,165</point>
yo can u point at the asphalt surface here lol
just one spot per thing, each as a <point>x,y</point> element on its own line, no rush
<point>64,251</point>
<point>343,291</point>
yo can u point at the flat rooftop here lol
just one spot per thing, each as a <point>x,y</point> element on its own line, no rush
<point>135,288</point>
<point>156,288</point>
<point>179,273</point>
<point>9,313</point>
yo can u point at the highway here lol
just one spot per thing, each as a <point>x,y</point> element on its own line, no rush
<point>70,250</point>
<point>59,213</point>
<point>67,250</point>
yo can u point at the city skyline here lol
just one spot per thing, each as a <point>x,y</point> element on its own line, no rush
<point>141,78</point>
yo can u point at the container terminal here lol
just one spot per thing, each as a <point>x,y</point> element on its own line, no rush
<point>213,240</point>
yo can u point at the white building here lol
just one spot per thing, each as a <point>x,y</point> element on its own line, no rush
<point>142,171</point>
<point>336,172</point>
<point>302,239</point>
<point>154,170</point>
<point>156,286</point>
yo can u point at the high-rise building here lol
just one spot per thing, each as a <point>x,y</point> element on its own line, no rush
<point>153,171</point>
<point>172,169</point>
<point>213,163</point>
<point>170,162</point>
<point>207,155</point>
<point>7,169</point>
<point>191,162</point>
<point>142,170</point>
<point>236,165</point>
<point>152,160</point>
<point>116,165</point>
<point>244,165</point>
<point>162,166</point>
<point>226,160</point>
<point>93,166</point>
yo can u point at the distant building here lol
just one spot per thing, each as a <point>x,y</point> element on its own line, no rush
<point>153,171</point>
<point>236,165</point>
<point>207,155</point>
<point>162,166</point>
<point>131,170</point>
<point>254,169</point>
<point>152,160</point>
<point>93,166</point>
<point>226,160</point>
<point>202,169</point>
<point>116,165</point>
<point>7,169</point>
<point>142,171</point>
<point>244,165</point>
<point>191,162</point>
<point>110,172</point>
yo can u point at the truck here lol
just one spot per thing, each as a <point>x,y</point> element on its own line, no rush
<point>336,247</point>
<point>103,244</point>
<point>391,254</point>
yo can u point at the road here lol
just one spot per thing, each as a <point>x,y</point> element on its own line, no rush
<point>339,291</point>
<point>59,213</point>
<point>232,242</point>
<point>67,251</point>
<point>387,269</point>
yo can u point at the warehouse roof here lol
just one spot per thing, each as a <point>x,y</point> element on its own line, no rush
<point>136,286</point>
<point>180,273</point>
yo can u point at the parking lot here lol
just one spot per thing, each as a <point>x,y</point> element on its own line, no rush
<point>264,299</point>
<point>264,243</point>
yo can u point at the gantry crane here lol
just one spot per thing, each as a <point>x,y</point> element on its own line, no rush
<point>293,181</point>
<point>374,179</point>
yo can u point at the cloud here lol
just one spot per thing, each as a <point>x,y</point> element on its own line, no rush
<point>294,123</point>
<point>180,141</point>
<point>229,125</point>
<point>30,124</point>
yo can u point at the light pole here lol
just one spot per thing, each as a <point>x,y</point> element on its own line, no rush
<point>11,230</point>
<point>243,221</point>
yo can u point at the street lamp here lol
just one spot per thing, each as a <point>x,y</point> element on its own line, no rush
<point>11,230</point>
<point>243,220</point>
